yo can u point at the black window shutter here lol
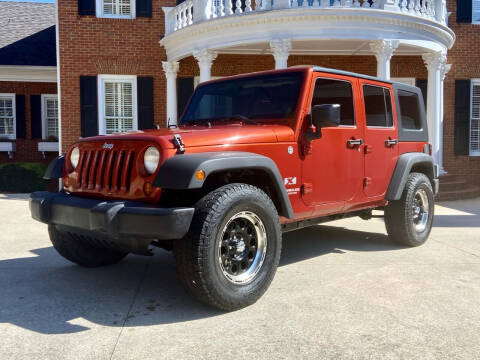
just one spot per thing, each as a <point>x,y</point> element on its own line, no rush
<point>184,91</point>
<point>144,8</point>
<point>464,11</point>
<point>86,7</point>
<point>36,116</point>
<point>423,85</point>
<point>20,116</point>
<point>88,105</point>
<point>145,102</point>
<point>462,117</point>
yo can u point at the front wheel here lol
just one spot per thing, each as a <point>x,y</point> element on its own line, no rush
<point>409,220</point>
<point>231,252</point>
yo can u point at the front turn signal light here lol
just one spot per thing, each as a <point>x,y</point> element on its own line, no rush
<point>200,175</point>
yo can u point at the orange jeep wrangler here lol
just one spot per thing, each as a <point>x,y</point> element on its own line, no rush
<point>253,156</point>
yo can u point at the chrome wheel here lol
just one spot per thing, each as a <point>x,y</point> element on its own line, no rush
<point>420,210</point>
<point>242,247</point>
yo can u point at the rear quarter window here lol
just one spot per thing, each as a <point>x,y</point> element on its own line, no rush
<point>409,110</point>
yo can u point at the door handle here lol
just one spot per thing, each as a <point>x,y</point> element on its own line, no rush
<point>354,142</point>
<point>391,142</point>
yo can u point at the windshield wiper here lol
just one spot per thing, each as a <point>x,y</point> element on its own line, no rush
<point>242,118</point>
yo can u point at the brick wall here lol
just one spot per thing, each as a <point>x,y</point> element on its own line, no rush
<point>92,46</point>
<point>27,149</point>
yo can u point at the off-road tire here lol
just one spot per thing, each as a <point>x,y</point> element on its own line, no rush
<point>399,216</point>
<point>83,250</point>
<point>198,263</point>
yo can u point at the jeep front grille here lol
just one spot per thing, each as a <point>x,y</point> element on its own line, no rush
<point>105,170</point>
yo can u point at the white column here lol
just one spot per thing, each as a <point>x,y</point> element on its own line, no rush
<point>205,59</point>
<point>383,51</point>
<point>281,49</point>
<point>434,62</point>
<point>443,72</point>
<point>171,69</point>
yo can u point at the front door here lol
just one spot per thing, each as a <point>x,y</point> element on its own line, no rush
<point>381,140</point>
<point>333,170</point>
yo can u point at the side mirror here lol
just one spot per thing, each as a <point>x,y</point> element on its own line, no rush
<point>326,115</point>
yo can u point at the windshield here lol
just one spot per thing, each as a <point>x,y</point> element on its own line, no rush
<point>273,96</point>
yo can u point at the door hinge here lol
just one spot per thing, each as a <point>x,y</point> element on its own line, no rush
<point>307,188</point>
<point>367,181</point>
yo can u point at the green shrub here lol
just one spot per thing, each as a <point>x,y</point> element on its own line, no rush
<point>22,177</point>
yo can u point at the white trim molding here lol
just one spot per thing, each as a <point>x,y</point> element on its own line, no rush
<point>28,73</point>
<point>13,136</point>
<point>105,78</point>
<point>99,11</point>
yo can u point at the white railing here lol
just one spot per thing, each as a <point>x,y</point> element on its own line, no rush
<point>195,11</point>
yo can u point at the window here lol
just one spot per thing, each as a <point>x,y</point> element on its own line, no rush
<point>7,116</point>
<point>378,106</point>
<point>475,11</point>
<point>262,97</point>
<point>116,8</point>
<point>50,117</point>
<point>409,110</point>
<point>475,119</point>
<point>329,91</point>
<point>117,103</point>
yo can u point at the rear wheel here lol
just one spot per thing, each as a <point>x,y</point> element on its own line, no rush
<point>409,220</point>
<point>83,250</point>
<point>231,252</point>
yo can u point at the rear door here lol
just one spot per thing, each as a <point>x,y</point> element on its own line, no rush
<point>381,137</point>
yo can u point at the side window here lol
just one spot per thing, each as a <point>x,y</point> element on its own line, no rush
<point>378,106</point>
<point>330,91</point>
<point>115,8</point>
<point>409,110</point>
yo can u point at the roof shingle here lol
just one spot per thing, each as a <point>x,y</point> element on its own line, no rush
<point>22,19</point>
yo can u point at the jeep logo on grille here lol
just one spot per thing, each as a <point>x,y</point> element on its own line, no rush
<point>107,146</point>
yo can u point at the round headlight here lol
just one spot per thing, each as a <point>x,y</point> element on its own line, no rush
<point>75,156</point>
<point>151,159</point>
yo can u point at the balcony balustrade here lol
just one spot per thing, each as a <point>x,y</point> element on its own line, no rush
<point>191,12</point>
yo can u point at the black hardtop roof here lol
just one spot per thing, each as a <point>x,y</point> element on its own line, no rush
<point>348,73</point>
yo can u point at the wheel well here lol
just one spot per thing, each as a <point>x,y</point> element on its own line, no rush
<point>424,168</point>
<point>254,177</point>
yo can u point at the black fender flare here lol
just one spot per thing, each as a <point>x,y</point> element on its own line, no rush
<point>404,166</point>
<point>178,172</point>
<point>55,168</point>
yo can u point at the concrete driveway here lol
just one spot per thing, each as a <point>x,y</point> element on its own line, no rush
<point>342,291</point>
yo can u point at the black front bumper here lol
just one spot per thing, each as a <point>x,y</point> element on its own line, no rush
<point>114,219</point>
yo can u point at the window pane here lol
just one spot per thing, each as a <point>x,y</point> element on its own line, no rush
<point>328,91</point>
<point>51,116</point>
<point>6,117</point>
<point>255,97</point>
<point>116,7</point>
<point>378,106</point>
<point>409,110</point>
<point>475,11</point>
<point>118,112</point>
<point>475,121</point>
